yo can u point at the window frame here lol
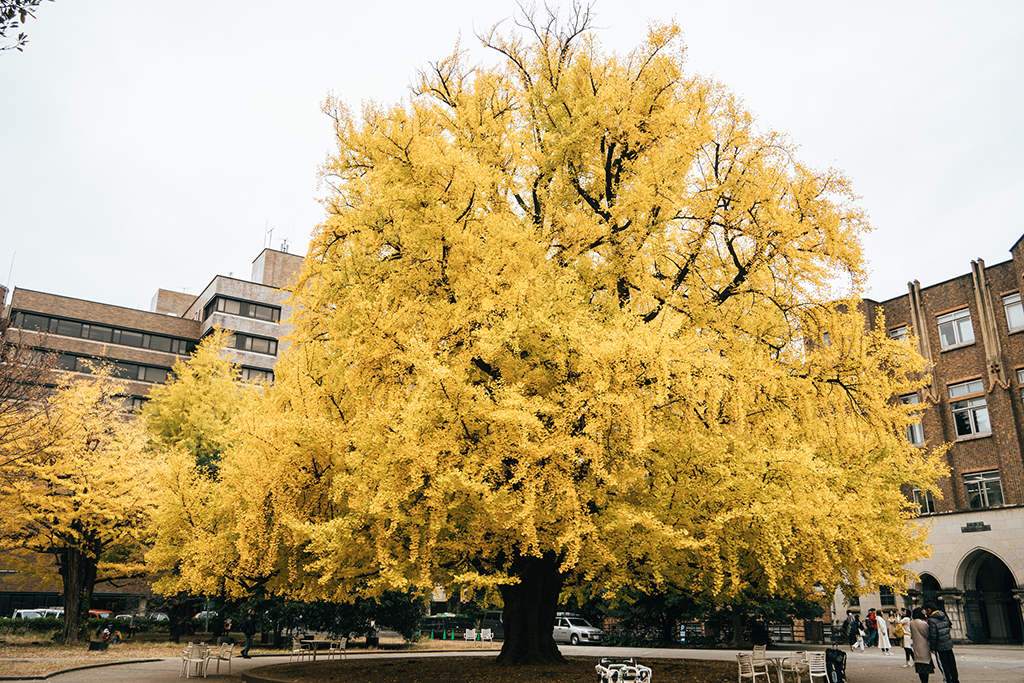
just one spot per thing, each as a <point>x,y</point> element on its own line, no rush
<point>1013,300</point>
<point>969,402</point>
<point>916,429</point>
<point>900,333</point>
<point>982,480</point>
<point>955,319</point>
<point>924,501</point>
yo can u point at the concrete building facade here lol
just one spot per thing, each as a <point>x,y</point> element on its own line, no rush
<point>142,348</point>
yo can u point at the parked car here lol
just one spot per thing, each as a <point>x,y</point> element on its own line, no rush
<point>574,629</point>
<point>159,616</point>
<point>493,620</point>
<point>100,613</point>
<point>204,615</point>
<point>27,614</point>
<point>51,612</point>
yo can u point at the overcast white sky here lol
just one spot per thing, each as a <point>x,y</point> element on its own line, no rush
<point>150,144</point>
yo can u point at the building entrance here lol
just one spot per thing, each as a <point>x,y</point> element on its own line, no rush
<point>991,613</point>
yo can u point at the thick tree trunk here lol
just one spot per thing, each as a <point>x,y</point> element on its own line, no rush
<point>737,629</point>
<point>78,572</point>
<point>529,616</point>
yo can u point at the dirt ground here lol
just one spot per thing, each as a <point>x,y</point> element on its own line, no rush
<point>484,670</point>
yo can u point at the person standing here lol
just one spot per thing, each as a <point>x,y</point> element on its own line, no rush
<point>920,644</point>
<point>908,643</point>
<point>871,628</point>
<point>883,634</point>
<point>940,639</point>
<point>860,634</point>
<point>850,628</point>
<point>249,629</point>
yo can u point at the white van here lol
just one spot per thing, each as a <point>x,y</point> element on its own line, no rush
<point>27,614</point>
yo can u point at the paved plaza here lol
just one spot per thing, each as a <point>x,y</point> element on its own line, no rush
<point>976,663</point>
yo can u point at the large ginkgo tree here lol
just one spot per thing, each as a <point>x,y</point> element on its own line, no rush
<point>572,320</point>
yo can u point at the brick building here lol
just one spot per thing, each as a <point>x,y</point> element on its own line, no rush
<point>971,329</point>
<point>143,347</point>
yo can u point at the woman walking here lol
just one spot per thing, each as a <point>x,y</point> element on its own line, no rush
<point>883,634</point>
<point>860,634</point>
<point>908,646</point>
<point>919,643</point>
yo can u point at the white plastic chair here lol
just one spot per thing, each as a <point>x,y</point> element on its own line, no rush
<point>747,670</point>
<point>223,655</point>
<point>486,634</point>
<point>760,658</point>
<point>470,634</point>
<point>794,665</point>
<point>816,666</point>
<point>197,660</point>
<point>298,651</point>
<point>186,654</point>
<point>338,649</point>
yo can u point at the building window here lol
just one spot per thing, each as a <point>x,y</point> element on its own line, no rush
<point>131,371</point>
<point>242,308</point>
<point>257,375</point>
<point>1014,311</point>
<point>886,596</point>
<point>901,333</point>
<point>915,432</point>
<point>245,342</point>
<point>970,415</point>
<point>983,489</point>
<point>104,334</point>
<point>924,501</point>
<point>1020,383</point>
<point>955,328</point>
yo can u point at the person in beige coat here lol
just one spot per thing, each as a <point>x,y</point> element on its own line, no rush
<point>919,643</point>
<point>908,645</point>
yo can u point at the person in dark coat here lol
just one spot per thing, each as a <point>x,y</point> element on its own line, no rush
<point>249,629</point>
<point>940,639</point>
<point>850,628</point>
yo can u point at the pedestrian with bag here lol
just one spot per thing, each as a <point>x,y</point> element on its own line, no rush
<point>920,644</point>
<point>908,645</point>
<point>850,628</point>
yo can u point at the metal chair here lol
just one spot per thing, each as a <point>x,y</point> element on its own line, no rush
<point>747,670</point>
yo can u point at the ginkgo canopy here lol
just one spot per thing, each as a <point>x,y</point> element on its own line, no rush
<point>563,326</point>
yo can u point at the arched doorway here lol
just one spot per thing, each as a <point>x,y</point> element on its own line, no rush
<point>930,588</point>
<point>991,613</point>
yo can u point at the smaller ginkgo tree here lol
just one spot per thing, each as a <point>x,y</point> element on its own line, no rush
<point>191,422</point>
<point>82,494</point>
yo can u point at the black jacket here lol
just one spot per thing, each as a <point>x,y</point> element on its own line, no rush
<point>939,636</point>
<point>248,627</point>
